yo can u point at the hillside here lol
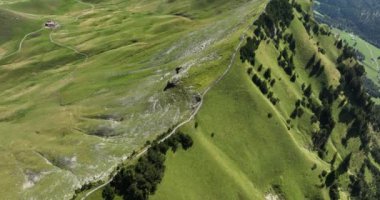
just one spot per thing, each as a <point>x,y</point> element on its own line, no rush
<point>360,17</point>
<point>368,55</point>
<point>246,147</point>
<point>182,99</point>
<point>78,99</point>
<point>355,23</point>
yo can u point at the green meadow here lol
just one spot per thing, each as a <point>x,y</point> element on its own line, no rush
<point>247,148</point>
<point>370,52</point>
<point>77,100</point>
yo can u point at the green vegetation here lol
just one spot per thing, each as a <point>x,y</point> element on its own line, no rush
<point>255,143</point>
<point>358,16</point>
<point>78,100</point>
<point>368,54</point>
<point>140,180</point>
<point>289,120</point>
<point>13,27</point>
<point>50,7</point>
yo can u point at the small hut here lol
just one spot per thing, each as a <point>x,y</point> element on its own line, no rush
<point>51,24</point>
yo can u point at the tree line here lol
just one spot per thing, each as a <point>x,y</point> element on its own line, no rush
<point>138,181</point>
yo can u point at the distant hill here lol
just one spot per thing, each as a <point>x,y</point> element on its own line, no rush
<point>360,17</point>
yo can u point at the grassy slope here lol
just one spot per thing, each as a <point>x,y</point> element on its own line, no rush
<point>52,102</point>
<point>249,152</point>
<point>371,53</point>
<point>51,7</point>
<point>248,149</point>
<point>13,27</point>
<point>365,48</point>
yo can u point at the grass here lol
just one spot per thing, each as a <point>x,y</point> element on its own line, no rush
<point>248,155</point>
<point>58,109</point>
<point>13,27</point>
<point>370,52</point>
<point>45,7</point>
<point>51,99</point>
<point>251,152</point>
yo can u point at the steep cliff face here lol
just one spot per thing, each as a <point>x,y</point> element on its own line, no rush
<point>360,17</point>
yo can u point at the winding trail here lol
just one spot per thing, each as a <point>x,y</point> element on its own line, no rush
<point>194,113</point>
<point>92,7</point>
<point>84,12</point>
<point>86,4</point>
<point>21,43</point>
<point>67,47</point>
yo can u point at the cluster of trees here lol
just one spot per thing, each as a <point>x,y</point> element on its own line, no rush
<point>291,41</point>
<point>351,83</point>
<point>320,30</point>
<point>375,152</point>
<point>348,52</point>
<point>375,118</point>
<point>286,62</point>
<point>362,106</point>
<point>140,180</point>
<point>332,177</point>
<point>297,6</point>
<point>247,52</point>
<point>359,110</point>
<point>265,87</point>
<point>262,84</point>
<point>265,23</point>
<point>322,114</point>
<point>298,111</point>
<point>371,88</point>
<point>278,15</point>
<point>311,25</point>
<point>316,66</point>
<point>280,12</point>
<point>360,189</point>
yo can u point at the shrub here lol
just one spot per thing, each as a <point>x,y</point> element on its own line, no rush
<point>108,193</point>
<point>260,68</point>
<point>264,87</point>
<point>272,82</point>
<point>267,73</point>
<point>293,78</point>
<point>308,91</point>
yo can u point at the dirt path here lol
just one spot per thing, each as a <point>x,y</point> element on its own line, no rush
<point>67,47</point>
<point>92,7</point>
<point>86,4</point>
<point>194,113</point>
<point>21,43</point>
<point>84,12</point>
